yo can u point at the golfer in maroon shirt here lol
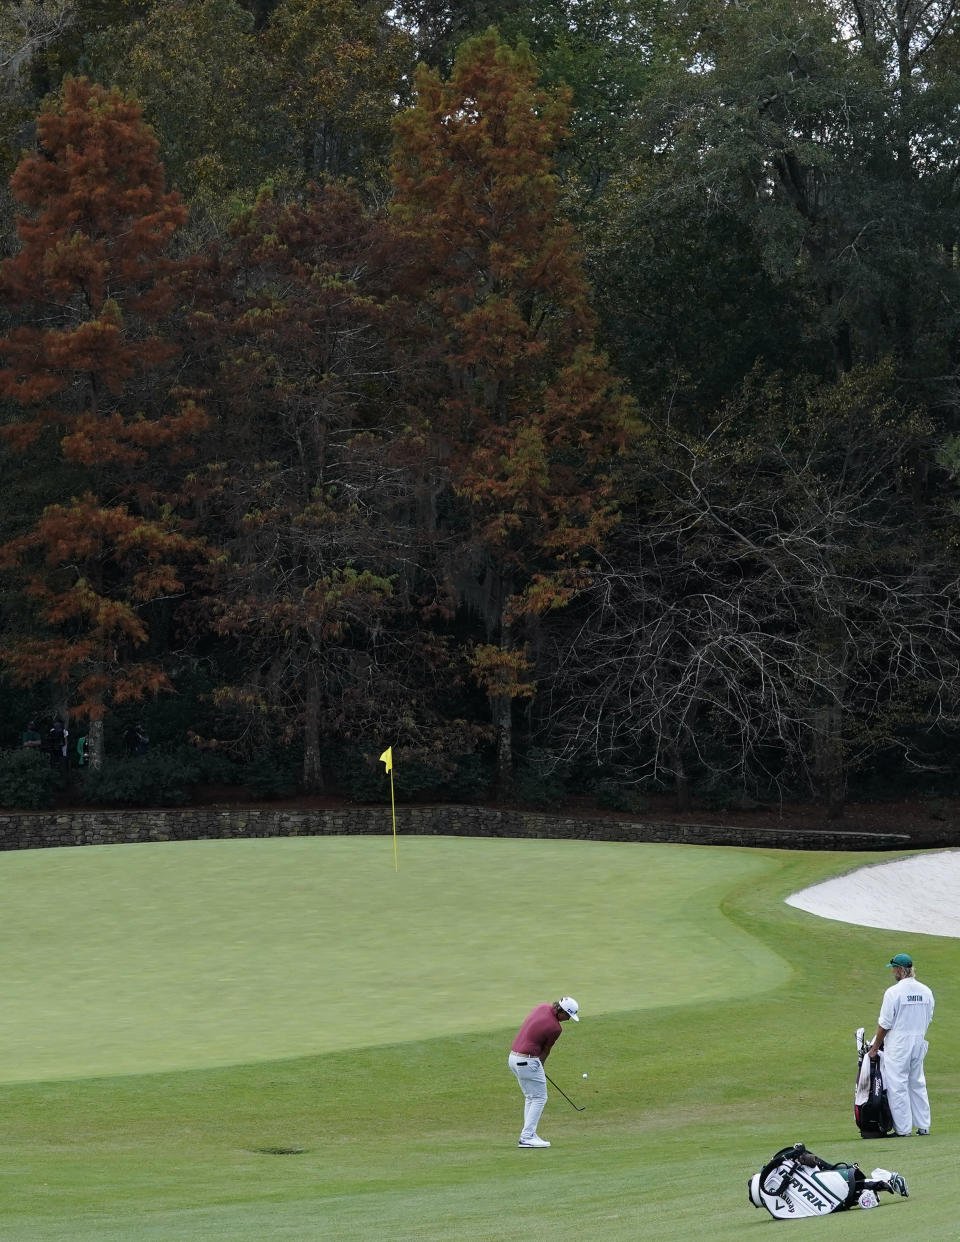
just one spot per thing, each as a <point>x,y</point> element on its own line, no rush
<point>540,1031</point>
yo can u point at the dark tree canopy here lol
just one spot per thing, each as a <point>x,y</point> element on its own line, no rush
<point>578,411</point>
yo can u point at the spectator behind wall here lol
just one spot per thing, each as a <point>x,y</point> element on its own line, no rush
<point>135,740</point>
<point>57,737</point>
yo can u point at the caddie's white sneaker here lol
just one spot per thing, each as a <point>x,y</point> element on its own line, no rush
<point>919,1131</point>
<point>536,1141</point>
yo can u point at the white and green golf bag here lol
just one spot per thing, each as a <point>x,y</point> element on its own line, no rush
<point>796,1183</point>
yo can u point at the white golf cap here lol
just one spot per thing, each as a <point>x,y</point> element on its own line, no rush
<point>570,1006</point>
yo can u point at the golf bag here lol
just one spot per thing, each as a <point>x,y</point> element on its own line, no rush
<point>870,1108</point>
<point>796,1183</point>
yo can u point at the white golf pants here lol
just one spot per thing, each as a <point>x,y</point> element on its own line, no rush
<point>906,1085</point>
<point>533,1084</point>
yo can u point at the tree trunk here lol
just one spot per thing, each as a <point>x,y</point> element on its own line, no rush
<point>95,745</point>
<point>829,766</point>
<point>312,763</point>
<point>501,707</point>
<point>681,781</point>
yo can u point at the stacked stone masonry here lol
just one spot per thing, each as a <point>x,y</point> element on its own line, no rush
<point>37,830</point>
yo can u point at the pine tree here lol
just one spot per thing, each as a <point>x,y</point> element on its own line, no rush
<point>308,498</point>
<point>527,411</point>
<point>86,368</point>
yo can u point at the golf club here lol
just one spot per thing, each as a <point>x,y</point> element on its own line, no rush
<point>564,1094</point>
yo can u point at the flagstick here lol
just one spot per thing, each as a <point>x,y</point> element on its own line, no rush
<point>387,760</point>
<point>393,812</point>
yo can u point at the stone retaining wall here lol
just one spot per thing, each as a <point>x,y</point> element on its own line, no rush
<point>23,831</point>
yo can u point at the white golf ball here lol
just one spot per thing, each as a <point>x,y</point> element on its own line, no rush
<point>584,1075</point>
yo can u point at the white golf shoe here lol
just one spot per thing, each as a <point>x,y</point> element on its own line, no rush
<point>536,1141</point>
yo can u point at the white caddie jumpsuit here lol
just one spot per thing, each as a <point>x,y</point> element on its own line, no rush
<point>905,1014</point>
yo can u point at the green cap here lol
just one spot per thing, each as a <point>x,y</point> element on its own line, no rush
<point>900,959</point>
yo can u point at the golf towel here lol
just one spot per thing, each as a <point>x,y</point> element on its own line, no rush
<point>862,1093</point>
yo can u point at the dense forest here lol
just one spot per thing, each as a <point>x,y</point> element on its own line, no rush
<point>566,395</point>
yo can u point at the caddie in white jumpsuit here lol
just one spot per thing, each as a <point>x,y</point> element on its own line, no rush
<point>905,1014</point>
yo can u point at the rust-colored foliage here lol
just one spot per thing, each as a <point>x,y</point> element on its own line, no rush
<point>305,305</point>
<point>306,331</point>
<point>88,294</point>
<point>526,408</point>
<point>90,283</point>
<point>530,410</point>
<point>89,569</point>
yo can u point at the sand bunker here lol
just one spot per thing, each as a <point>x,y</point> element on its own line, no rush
<point>919,894</point>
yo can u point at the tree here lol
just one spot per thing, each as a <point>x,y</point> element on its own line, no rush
<point>27,29</point>
<point>608,53</point>
<point>90,289</point>
<point>337,71</point>
<point>769,175</point>
<point>312,497</point>
<point>605,52</point>
<point>525,411</point>
<point>770,615</point>
<point>903,36</point>
<point>198,71</point>
<point>439,27</point>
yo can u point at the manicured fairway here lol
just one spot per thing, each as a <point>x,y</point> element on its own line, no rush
<point>332,1039</point>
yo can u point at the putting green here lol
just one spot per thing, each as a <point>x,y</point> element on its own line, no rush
<point>131,959</point>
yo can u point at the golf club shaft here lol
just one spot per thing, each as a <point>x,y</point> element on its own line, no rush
<point>563,1093</point>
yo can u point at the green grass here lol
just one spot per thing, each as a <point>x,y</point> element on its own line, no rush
<point>264,1040</point>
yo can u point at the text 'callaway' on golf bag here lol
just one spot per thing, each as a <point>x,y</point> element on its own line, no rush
<point>870,1108</point>
<point>796,1183</point>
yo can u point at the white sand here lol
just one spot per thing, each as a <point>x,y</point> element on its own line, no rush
<point>919,894</point>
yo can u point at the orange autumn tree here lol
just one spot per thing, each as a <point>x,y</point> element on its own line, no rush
<point>86,373</point>
<point>525,410</point>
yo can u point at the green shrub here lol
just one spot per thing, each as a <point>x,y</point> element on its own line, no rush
<point>20,704</point>
<point>470,782</point>
<point>361,776</point>
<point>153,779</point>
<point>610,795</point>
<point>721,795</point>
<point>270,774</point>
<point>214,767</point>
<point>27,781</point>
<point>416,776</point>
<point>357,774</point>
<point>538,782</point>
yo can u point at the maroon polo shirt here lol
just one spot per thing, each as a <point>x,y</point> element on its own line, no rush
<point>540,1031</point>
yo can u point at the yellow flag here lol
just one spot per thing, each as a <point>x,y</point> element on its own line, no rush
<point>387,758</point>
